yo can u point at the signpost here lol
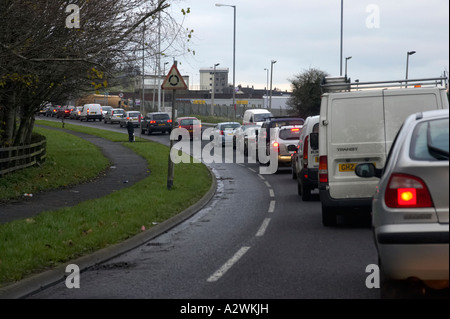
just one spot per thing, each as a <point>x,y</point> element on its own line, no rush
<point>173,81</point>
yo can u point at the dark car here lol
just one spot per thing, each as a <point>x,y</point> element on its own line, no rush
<point>52,110</point>
<point>64,111</point>
<point>156,122</point>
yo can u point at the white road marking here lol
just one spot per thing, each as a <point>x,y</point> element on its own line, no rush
<point>251,169</point>
<point>219,273</point>
<point>262,177</point>
<point>271,193</point>
<point>263,227</point>
<point>267,184</point>
<point>271,206</point>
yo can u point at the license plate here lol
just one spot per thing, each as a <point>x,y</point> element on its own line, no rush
<point>162,124</point>
<point>347,167</point>
<point>316,159</point>
<point>93,113</point>
<point>190,131</point>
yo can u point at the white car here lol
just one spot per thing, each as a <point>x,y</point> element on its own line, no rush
<point>246,138</point>
<point>410,208</point>
<point>133,116</point>
<point>224,132</point>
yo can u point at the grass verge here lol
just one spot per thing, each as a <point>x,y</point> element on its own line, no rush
<point>36,244</point>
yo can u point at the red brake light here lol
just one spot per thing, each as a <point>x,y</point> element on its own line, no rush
<point>221,132</point>
<point>323,169</point>
<point>152,122</point>
<point>295,129</point>
<point>407,191</point>
<point>276,144</point>
<point>169,121</point>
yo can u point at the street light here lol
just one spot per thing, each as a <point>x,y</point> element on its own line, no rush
<point>267,86</point>
<point>213,89</point>
<point>346,59</point>
<point>234,53</point>
<point>407,61</point>
<point>342,31</point>
<point>271,76</point>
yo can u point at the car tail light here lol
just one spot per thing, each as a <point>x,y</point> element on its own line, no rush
<point>152,122</point>
<point>305,153</point>
<point>323,169</point>
<point>221,132</point>
<point>87,111</point>
<point>128,118</point>
<point>407,191</point>
<point>169,121</point>
<point>295,129</point>
<point>276,146</point>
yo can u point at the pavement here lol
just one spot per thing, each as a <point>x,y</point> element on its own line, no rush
<point>126,169</point>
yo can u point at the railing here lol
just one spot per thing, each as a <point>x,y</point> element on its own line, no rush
<point>19,157</point>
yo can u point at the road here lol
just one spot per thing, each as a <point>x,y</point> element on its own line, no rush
<point>256,239</point>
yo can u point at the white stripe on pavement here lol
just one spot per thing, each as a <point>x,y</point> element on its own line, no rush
<point>219,273</point>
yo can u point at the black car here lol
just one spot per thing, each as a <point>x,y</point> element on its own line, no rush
<point>156,122</point>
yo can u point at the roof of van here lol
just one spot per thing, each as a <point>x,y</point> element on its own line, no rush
<point>258,111</point>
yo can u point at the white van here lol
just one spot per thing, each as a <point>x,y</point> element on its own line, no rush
<point>305,163</point>
<point>256,116</point>
<point>91,112</point>
<point>359,126</point>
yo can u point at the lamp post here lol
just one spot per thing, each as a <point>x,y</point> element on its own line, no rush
<point>234,54</point>
<point>267,85</point>
<point>271,76</point>
<point>346,59</point>
<point>407,62</point>
<point>213,89</point>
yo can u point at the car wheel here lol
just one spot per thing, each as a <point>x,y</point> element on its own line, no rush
<point>328,216</point>
<point>294,174</point>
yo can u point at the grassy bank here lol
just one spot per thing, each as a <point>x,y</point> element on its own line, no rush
<point>36,244</point>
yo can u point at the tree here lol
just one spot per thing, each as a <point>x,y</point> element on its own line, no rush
<point>53,50</point>
<point>306,93</point>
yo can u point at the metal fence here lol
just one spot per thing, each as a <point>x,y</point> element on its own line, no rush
<point>19,157</point>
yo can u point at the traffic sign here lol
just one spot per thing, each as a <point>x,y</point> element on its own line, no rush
<point>174,80</point>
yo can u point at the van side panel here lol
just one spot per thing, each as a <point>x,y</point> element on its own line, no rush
<point>355,135</point>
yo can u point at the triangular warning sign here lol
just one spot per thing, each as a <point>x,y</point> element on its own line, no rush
<point>174,80</point>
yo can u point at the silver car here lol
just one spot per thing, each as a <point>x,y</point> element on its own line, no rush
<point>410,208</point>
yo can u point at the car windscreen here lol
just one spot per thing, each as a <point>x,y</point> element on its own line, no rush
<point>161,117</point>
<point>290,134</point>
<point>261,117</point>
<point>430,141</point>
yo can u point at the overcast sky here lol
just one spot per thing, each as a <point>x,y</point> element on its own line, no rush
<point>303,34</point>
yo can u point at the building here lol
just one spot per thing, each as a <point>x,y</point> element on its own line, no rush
<point>219,78</point>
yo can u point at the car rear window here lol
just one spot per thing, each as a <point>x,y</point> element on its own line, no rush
<point>279,123</point>
<point>189,122</point>
<point>161,117</point>
<point>229,126</point>
<point>438,138</point>
<point>134,114</point>
<point>118,111</point>
<point>290,133</point>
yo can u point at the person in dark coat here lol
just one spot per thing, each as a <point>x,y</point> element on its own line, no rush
<point>130,128</point>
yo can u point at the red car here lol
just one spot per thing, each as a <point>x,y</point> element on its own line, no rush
<point>190,124</point>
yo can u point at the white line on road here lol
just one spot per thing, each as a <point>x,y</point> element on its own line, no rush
<point>267,184</point>
<point>271,193</point>
<point>271,206</point>
<point>262,177</point>
<point>263,227</point>
<point>219,273</point>
<point>251,169</point>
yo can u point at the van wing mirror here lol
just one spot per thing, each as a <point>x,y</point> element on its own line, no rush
<point>314,140</point>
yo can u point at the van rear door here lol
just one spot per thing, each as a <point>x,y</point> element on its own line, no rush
<point>355,135</point>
